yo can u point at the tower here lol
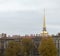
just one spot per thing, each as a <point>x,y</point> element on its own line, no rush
<point>44,31</point>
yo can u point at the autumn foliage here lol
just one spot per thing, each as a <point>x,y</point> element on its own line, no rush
<point>47,47</point>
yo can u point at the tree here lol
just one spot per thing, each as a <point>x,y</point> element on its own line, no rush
<point>47,47</point>
<point>28,46</point>
<point>14,49</point>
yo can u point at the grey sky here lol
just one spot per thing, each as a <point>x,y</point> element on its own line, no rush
<point>25,16</point>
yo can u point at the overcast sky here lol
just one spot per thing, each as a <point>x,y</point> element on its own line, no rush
<point>26,16</point>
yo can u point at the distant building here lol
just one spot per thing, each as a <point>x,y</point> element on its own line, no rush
<point>2,35</point>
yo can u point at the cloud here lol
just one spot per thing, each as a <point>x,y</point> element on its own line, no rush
<point>15,5</point>
<point>53,26</point>
<point>8,5</point>
<point>37,4</point>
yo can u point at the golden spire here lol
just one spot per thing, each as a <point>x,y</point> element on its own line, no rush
<point>44,32</point>
<point>44,22</point>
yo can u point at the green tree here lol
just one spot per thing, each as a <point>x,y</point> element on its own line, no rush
<point>28,46</point>
<point>47,47</point>
<point>14,49</point>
